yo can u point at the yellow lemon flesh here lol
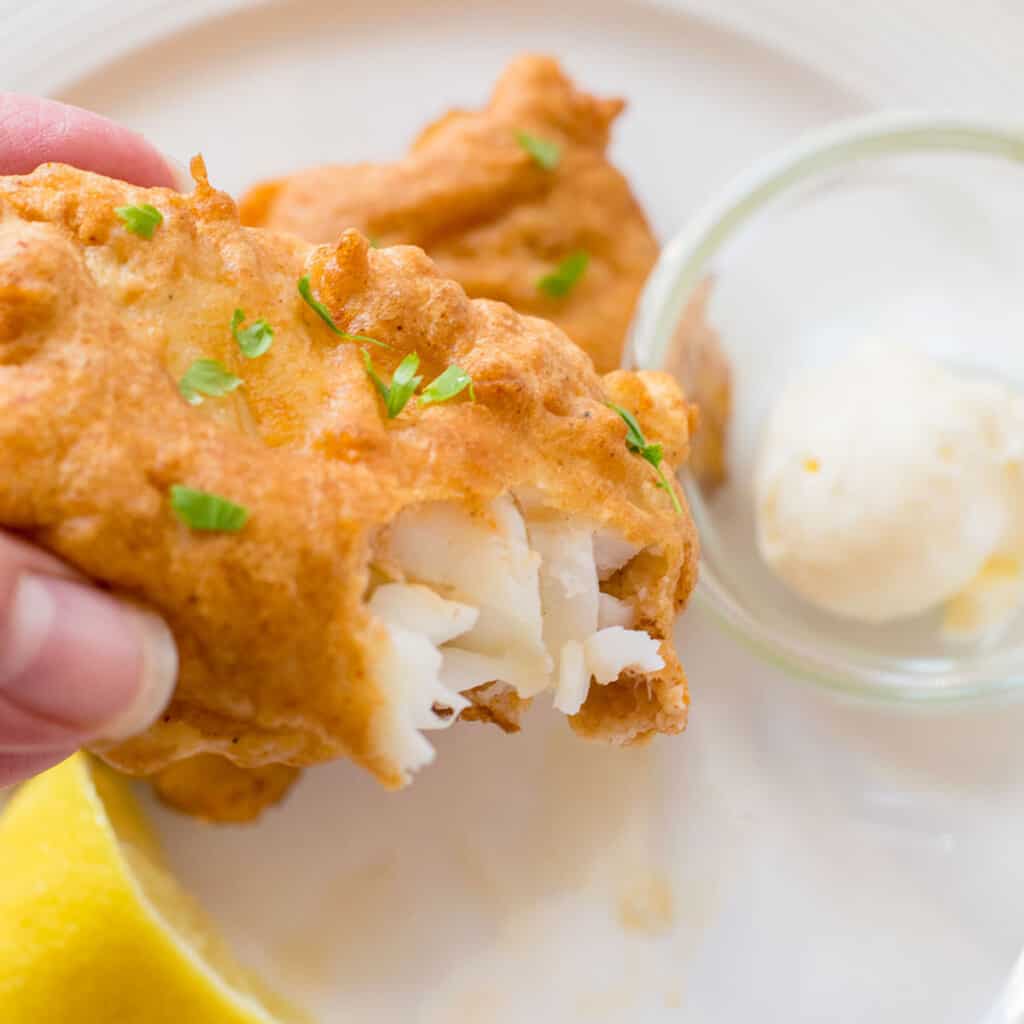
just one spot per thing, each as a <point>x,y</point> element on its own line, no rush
<point>93,928</point>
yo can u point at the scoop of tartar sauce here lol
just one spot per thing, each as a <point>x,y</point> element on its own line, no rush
<point>888,484</point>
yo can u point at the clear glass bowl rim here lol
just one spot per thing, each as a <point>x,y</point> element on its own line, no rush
<point>680,269</point>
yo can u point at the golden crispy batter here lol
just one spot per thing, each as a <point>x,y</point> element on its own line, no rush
<point>496,704</point>
<point>487,214</point>
<point>491,219</point>
<point>212,788</point>
<point>277,646</point>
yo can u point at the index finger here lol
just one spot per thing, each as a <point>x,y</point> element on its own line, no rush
<point>36,131</point>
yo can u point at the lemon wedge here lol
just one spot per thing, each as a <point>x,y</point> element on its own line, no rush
<point>93,928</point>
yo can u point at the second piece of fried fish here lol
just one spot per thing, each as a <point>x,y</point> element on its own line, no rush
<point>491,215</point>
<point>389,569</point>
<point>496,214</point>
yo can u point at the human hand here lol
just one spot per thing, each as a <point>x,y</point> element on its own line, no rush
<point>76,664</point>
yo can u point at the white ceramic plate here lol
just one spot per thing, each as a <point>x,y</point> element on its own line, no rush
<point>789,859</point>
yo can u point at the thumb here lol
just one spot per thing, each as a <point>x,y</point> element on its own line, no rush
<point>76,664</point>
<point>35,131</point>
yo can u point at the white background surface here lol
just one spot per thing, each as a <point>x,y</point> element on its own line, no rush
<point>825,863</point>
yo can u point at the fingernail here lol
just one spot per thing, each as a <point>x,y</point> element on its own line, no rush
<point>182,177</point>
<point>159,673</point>
<point>77,661</point>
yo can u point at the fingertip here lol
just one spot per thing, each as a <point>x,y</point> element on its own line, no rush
<point>36,131</point>
<point>181,175</point>
<point>77,664</point>
<point>158,674</point>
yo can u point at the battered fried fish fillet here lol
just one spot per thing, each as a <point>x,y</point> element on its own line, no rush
<point>496,221</point>
<point>507,542</point>
<point>211,787</point>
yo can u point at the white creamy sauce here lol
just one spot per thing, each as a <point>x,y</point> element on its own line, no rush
<point>888,485</point>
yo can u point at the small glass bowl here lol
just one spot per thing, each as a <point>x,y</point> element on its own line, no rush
<point>905,227</point>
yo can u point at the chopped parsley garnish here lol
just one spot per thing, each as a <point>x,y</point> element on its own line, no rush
<point>202,510</point>
<point>565,276</point>
<point>545,153</point>
<point>652,453</point>
<point>325,314</point>
<point>253,340</point>
<point>140,220</point>
<point>206,377</point>
<point>453,381</point>
<point>404,382</point>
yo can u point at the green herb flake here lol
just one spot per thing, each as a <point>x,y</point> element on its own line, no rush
<point>566,275</point>
<point>201,510</point>
<point>545,153</point>
<point>452,382</point>
<point>254,340</point>
<point>325,314</point>
<point>404,382</point>
<point>140,220</point>
<point>652,453</point>
<point>206,377</point>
